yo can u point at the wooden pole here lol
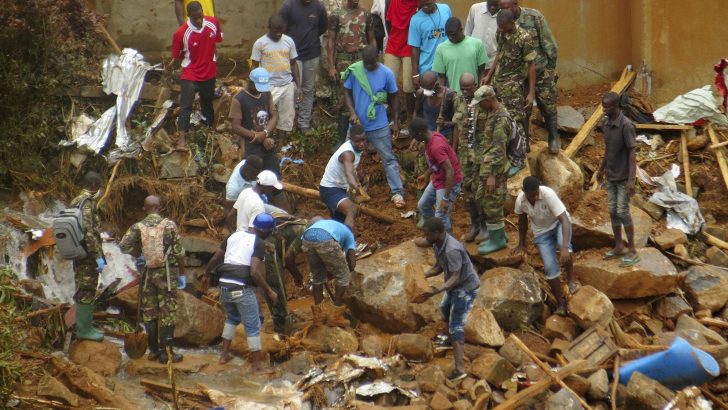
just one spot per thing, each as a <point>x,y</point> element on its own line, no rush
<point>108,185</point>
<point>314,194</point>
<point>720,156</point>
<point>715,399</point>
<point>686,163</point>
<point>712,240</point>
<point>718,145</point>
<point>616,382</point>
<point>535,389</point>
<point>624,82</point>
<point>548,370</point>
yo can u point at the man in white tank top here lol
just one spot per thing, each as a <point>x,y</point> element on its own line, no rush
<point>340,176</point>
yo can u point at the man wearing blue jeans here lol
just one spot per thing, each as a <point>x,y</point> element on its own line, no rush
<point>368,85</point>
<point>443,170</point>
<point>551,229</point>
<point>460,287</point>
<point>243,269</point>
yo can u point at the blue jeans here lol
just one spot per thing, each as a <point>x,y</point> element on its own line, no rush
<point>431,199</point>
<point>546,244</point>
<point>381,140</point>
<point>455,308</point>
<point>241,306</point>
<point>618,203</point>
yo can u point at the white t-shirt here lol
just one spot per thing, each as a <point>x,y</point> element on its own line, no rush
<point>335,173</point>
<point>544,214</point>
<point>249,205</point>
<point>236,183</point>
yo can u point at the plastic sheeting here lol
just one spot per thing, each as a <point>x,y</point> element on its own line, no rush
<point>691,107</point>
<point>683,212</point>
<point>122,75</point>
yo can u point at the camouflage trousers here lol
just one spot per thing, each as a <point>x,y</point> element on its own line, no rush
<point>470,170</point>
<point>492,203</point>
<point>86,276</point>
<point>274,278</point>
<point>510,94</point>
<point>159,302</point>
<point>545,90</point>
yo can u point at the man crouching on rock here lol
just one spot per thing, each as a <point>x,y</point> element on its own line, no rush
<point>157,239</point>
<point>243,268</point>
<point>460,287</point>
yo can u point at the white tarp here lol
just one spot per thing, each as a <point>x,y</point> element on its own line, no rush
<point>683,211</point>
<point>693,106</point>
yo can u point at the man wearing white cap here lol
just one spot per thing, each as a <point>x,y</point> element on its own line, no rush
<point>250,202</point>
<point>253,116</point>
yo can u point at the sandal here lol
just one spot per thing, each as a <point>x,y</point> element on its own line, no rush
<point>627,262</point>
<point>612,255</point>
<point>398,201</point>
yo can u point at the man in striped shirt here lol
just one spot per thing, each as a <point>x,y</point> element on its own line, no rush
<point>194,45</point>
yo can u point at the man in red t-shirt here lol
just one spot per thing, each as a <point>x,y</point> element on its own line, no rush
<point>444,174</point>
<point>398,54</point>
<point>194,45</point>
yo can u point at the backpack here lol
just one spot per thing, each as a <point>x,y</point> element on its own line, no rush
<point>69,232</point>
<point>153,244</point>
<point>517,146</point>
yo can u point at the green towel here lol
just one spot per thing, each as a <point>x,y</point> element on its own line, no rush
<point>360,74</point>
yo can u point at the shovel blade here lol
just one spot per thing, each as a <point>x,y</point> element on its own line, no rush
<point>135,344</point>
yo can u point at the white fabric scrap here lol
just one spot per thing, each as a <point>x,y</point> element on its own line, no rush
<point>683,212</point>
<point>693,106</point>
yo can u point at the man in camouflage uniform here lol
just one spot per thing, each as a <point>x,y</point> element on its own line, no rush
<point>494,167</point>
<point>535,24</point>
<point>280,253</point>
<point>350,30</point>
<point>466,141</point>
<point>514,65</point>
<point>159,284</point>
<point>87,270</point>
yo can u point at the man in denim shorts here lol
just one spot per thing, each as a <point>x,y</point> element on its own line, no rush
<point>330,250</point>
<point>620,167</point>
<point>243,269</point>
<point>460,287</point>
<point>551,229</point>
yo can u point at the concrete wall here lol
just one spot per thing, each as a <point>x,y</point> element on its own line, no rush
<point>596,38</point>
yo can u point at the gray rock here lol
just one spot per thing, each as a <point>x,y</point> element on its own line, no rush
<point>672,306</point>
<point>599,389</point>
<point>563,400</point>
<point>644,393</point>
<point>512,295</point>
<point>596,231</point>
<point>706,287</point>
<point>178,165</point>
<point>570,120</point>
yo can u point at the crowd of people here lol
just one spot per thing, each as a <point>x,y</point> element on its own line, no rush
<point>468,94</point>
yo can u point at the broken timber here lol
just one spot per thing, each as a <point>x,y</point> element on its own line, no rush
<point>663,127</point>
<point>621,86</point>
<point>719,155</point>
<point>686,162</point>
<point>313,194</point>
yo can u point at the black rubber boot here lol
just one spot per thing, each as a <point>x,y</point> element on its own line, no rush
<point>152,340</point>
<point>166,339</point>
<point>474,213</point>
<point>342,126</point>
<point>552,127</point>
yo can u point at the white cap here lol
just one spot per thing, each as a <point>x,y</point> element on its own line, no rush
<point>269,178</point>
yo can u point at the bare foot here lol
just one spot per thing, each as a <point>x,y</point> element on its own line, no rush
<point>224,359</point>
<point>263,371</point>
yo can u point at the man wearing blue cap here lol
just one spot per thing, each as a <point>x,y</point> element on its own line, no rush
<point>253,116</point>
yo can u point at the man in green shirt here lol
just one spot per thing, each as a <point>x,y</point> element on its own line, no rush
<point>459,54</point>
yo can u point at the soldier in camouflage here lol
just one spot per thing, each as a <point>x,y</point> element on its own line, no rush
<point>157,239</point>
<point>535,24</point>
<point>467,119</point>
<point>494,167</point>
<point>514,65</point>
<point>350,30</point>
<point>87,270</point>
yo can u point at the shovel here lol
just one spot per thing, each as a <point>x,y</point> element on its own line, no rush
<point>135,344</point>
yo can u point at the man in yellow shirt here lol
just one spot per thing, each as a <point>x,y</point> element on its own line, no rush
<point>180,9</point>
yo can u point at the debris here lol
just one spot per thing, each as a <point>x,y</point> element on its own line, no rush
<point>686,163</point>
<point>560,327</point>
<point>102,357</point>
<point>672,306</point>
<point>595,346</point>
<point>686,326</point>
<point>717,257</point>
<point>440,402</point>
<point>589,307</point>
<point>49,386</point>
<point>178,165</point>
<point>430,378</point>
<point>654,275</point>
<point>513,296</point>
<point>706,287</point>
<point>599,387</point>
<point>698,104</point>
<point>492,367</point>
<point>381,387</point>
<point>414,347</point>
<point>329,339</point>
<point>482,328</point>
<point>563,400</point>
<point>719,155</point>
<point>644,393</point>
<point>569,119</point>
<point>90,383</point>
<point>670,238</point>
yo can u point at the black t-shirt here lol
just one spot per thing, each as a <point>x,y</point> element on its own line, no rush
<point>255,114</point>
<point>306,23</point>
<point>619,139</point>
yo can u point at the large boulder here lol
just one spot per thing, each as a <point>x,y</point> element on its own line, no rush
<point>654,275</point>
<point>380,291</point>
<point>706,287</point>
<point>513,296</point>
<point>561,174</point>
<point>589,307</point>
<point>102,357</point>
<point>50,387</point>
<point>414,347</point>
<point>481,328</point>
<point>330,339</point>
<point>592,228</point>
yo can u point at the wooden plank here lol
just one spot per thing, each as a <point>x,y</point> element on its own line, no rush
<point>537,388</point>
<point>615,372</point>
<point>621,86</point>
<point>719,155</point>
<point>719,145</point>
<point>661,127</point>
<point>686,163</point>
<point>594,345</point>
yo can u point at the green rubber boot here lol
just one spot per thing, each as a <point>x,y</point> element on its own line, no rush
<point>497,240</point>
<point>84,323</point>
